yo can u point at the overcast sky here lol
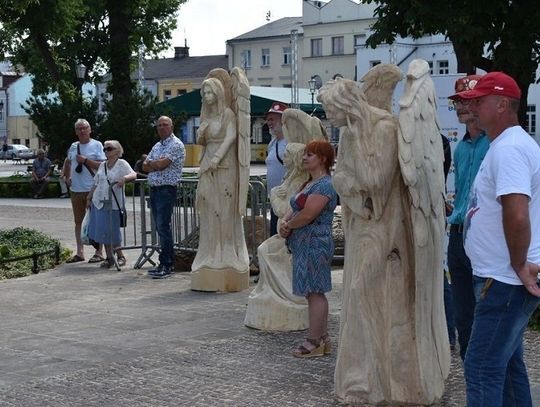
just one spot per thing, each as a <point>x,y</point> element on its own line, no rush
<point>207,24</point>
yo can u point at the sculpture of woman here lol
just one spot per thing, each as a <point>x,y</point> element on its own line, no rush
<point>222,261</point>
<point>271,305</point>
<point>393,348</point>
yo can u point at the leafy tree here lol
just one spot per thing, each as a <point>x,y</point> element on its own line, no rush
<point>494,35</point>
<point>55,121</point>
<point>133,124</point>
<point>50,37</point>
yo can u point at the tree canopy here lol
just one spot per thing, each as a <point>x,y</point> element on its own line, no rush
<point>494,35</point>
<point>48,38</point>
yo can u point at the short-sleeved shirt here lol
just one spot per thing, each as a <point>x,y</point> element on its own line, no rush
<point>173,149</point>
<point>41,167</point>
<point>93,150</point>
<point>275,170</point>
<point>467,159</point>
<point>101,194</point>
<point>511,166</point>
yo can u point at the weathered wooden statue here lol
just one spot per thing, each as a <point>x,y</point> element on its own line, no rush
<point>393,344</point>
<point>272,305</point>
<point>222,261</point>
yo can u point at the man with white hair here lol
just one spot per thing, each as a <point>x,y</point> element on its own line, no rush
<point>83,159</point>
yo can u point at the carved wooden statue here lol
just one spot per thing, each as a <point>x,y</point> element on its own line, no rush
<point>222,261</point>
<point>393,345</point>
<point>272,305</point>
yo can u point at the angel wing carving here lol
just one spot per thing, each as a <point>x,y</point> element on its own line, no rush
<point>379,84</point>
<point>421,152</point>
<point>300,127</point>
<point>242,108</point>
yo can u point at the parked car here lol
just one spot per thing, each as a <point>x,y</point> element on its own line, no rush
<point>17,151</point>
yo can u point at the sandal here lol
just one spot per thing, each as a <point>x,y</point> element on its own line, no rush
<point>107,263</point>
<point>121,261</point>
<point>327,344</point>
<point>96,258</point>
<point>316,350</point>
<point>75,259</point>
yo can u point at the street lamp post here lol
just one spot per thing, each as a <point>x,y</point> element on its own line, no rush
<point>3,127</point>
<point>80,71</point>
<point>312,88</point>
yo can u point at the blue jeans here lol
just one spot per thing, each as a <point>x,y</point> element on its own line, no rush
<point>495,372</point>
<point>461,277</point>
<point>449,311</point>
<point>162,200</point>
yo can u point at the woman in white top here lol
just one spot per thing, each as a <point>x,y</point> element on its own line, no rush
<point>104,226</point>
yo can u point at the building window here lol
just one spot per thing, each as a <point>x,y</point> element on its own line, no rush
<point>316,47</point>
<point>287,55</point>
<point>167,94</point>
<point>180,92</point>
<point>246,59</point>
<point>530,121</point>
<point>442,67</point>
<point>287,85</point>
<point>1,115</point>
<point>337,46</point>
<point>374,63</point>
<point>16,141</point>
<point>359,40</point>
<point>265,60</point>
<point>430,63</point>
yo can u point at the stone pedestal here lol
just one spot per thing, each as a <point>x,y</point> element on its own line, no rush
<point>224,280</point>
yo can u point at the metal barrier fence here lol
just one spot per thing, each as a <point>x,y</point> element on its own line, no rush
<point>140,233</point>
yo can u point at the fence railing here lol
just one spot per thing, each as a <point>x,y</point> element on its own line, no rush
<point>35,257</point>
<point>140,233</point>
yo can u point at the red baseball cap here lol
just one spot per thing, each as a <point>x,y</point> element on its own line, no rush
<point>277,107</point>
<point>466,83</point>
<point>493,83</point>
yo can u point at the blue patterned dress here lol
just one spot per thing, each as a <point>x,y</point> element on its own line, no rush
<point>312,246</point>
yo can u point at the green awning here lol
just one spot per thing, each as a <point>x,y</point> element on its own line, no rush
<point>190,103</point>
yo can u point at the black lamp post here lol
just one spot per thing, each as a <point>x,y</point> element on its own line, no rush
<point>80,71</point>
<point>312,88</point>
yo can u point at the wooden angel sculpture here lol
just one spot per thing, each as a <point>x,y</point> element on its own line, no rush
<point>222,261</point>
<point>271,305</point>
<point>393,345</point>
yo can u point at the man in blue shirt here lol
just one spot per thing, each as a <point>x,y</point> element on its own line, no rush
<point>41,169</point>
<point>276,151</point>
<point>164,167</point>
<point>468,156</point>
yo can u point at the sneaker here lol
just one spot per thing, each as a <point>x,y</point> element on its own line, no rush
<point>155,270</point>
<point>64,196</point>
<point>165,272</point>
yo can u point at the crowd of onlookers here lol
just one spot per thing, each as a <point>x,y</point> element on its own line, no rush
<point>493,252</point>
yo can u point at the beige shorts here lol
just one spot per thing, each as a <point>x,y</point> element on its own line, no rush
<point>78,203</point>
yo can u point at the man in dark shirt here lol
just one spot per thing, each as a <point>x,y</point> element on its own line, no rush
<point>41,169</point>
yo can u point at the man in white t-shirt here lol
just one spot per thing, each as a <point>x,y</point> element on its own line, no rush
<point>503,247</point>
<point>83,159</point>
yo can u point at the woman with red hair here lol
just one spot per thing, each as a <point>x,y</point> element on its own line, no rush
<point>308,230</point>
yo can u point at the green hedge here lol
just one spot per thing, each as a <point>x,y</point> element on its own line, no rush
<point>19,242</point>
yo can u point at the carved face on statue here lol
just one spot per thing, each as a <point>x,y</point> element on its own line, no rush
<point>336,116</point>
<point>294,153</point>
<point>208,94</point>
